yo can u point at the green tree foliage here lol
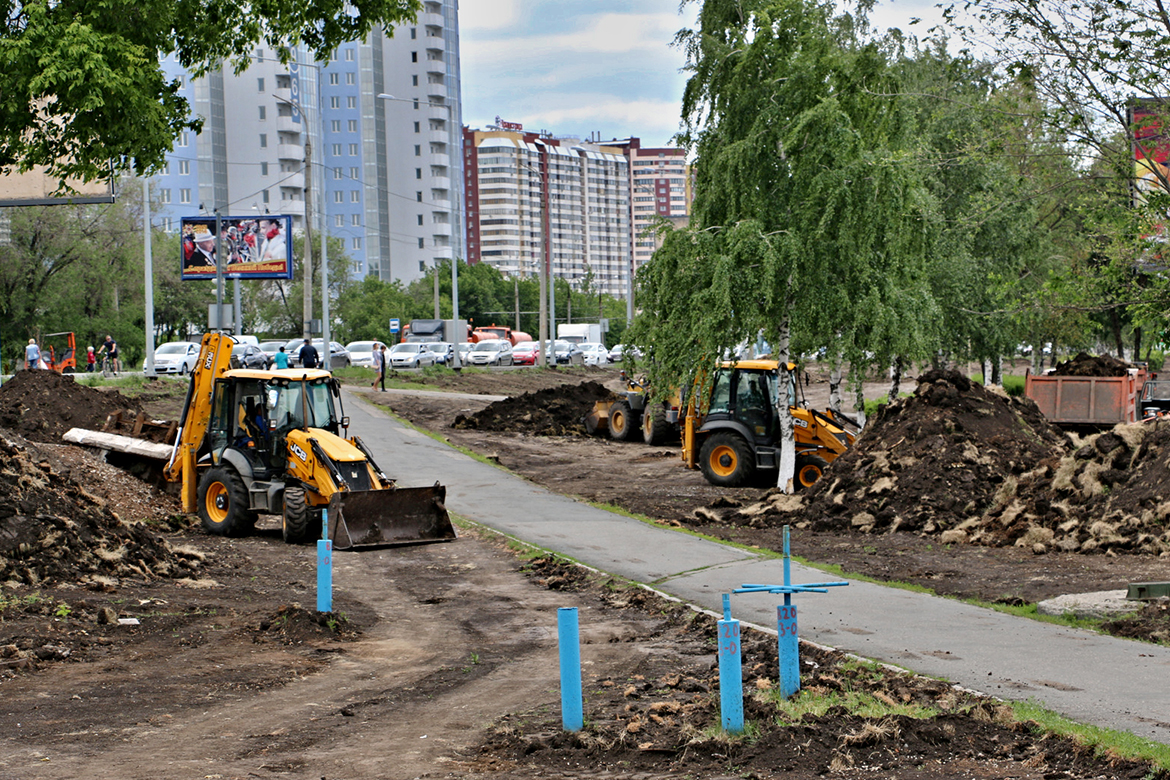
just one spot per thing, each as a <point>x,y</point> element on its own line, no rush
<point>83,89</point>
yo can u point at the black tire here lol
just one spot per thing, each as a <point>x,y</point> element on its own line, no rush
<point>183,370</point>
<point>809,468</point>
<point>622,421</point>
<point>655,429</point>
<point>727,460</point>
<point>223,503</point>
<point>296,516</point>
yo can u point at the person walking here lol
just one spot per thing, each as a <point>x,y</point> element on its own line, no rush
<point>379,356</point>
<point>309,355</point>
<point>32,355</point>
<point>90,360</point>
<point>280,359</point>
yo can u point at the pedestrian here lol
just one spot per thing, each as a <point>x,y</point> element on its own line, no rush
<point>90,360</point>
<point>32,355</point>
<point>379,366</point>
<point>280,359</point>
<point>308,355</point>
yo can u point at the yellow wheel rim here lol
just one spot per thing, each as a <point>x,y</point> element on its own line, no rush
<point>809,475</point>
<point>723,460</point>
<point>617,421</point>
<point>217,502</point>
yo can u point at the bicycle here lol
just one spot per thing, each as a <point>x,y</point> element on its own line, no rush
<point>109,366</point>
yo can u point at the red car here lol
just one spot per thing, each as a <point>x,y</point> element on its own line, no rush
<point>524,353</point>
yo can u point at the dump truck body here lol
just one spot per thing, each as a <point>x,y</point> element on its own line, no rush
<point>1087,400</point>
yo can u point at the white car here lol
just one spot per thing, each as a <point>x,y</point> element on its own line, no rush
<point>492,352</point>
<point>361,353</point>
<point>174,357</point>
<point>595,354</point>
<point>411,355</point>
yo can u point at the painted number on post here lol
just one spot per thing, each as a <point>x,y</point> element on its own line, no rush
<point>786,620</point>
<point>729,638</point>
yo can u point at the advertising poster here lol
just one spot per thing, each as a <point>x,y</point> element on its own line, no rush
<point>253,247</point>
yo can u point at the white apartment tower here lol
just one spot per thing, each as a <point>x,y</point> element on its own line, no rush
<point>382,122</point>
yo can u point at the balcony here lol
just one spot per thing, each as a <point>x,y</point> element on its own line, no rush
<point>440,136</point>
<point>437,67</point>
<point>440,158</point>
<point>285,124</point>
<point>283,94</point>
<point>294,208</point>
<point>290,152</point>
<point>441,182</point>
<point>294,181</point>
<point>442,253</point>
<point>442,204</point>
<point>441,229</point>
<point>431,20</point>
<point>441,111</point>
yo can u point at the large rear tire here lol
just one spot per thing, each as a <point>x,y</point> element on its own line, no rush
<point>223,503</point>
<point>727,460</point>
<point>622,421</point>
<point>809,468</point>
<point>655,429</point>
<point>296,515</point>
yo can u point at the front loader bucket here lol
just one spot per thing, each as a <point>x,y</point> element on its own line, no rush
<point>382,518</point>
<point>597,421</point>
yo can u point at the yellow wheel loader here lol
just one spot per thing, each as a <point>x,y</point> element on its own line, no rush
<point>630,414</point>
<point>734,438</point>
<point>254,442</point>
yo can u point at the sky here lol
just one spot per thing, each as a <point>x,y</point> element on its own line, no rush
<point>604,67</point>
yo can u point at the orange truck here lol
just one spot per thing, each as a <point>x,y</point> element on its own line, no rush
<point>1087,400</point>
<point>495,331</point>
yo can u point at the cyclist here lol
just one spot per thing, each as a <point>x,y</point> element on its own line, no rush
<point>110,348</point>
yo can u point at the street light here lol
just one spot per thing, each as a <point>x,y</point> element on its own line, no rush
<point>454,259</point>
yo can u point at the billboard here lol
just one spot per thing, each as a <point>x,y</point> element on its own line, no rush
<point>37,188</point>
<point>1151,147</point>
<point>253,247</point>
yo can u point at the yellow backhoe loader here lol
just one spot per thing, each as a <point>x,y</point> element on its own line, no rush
<point>254,442</point>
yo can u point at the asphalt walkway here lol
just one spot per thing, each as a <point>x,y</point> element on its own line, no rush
<point>1095,679</point>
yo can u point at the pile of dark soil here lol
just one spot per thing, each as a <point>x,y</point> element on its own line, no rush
<point>925,464</point>
<point>557,411</point>
<point>53,531</point>
<point>1084,364</point>
<point>43,405</point>
<point>661,717</point>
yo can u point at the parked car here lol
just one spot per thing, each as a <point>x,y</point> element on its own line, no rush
<point>338,358</point>
<point>361,353</point>
<point>492,352</point>
<point>524,353</point>
<point>174,357</point>
<point>567,353</point>
<point>411,354</point>
<point>594,354</point>
<point>248,356</point>
<point>444,351</point>
<point>270,348</point>
<point>619,350</point>
<point>464,348</point>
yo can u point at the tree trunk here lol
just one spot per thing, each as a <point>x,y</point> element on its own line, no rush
<point>859,403</point>
<point>895,378</point>
<point>985,369</point>
<point>835,384</point>
<point>997,371</point>
<point>787,470</point>
<point>1137,343</point>
<point>1115,327</point>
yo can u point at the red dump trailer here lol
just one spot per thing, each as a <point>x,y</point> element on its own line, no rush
<point>1087,400</point>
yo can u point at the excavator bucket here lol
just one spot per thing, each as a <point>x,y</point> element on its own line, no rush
<point>384,518</point>
<point>597,421</point>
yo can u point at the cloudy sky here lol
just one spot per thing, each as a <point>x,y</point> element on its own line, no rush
<point>605,66</point>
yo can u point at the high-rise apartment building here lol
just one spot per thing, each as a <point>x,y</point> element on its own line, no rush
<point>381,120</point>
<point>660,186</point>
<point>532,197</point>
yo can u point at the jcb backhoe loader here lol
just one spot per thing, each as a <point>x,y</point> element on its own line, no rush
<point>256,442</point>
<point>736,433</point>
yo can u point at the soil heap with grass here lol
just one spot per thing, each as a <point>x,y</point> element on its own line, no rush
<point>556,411</point>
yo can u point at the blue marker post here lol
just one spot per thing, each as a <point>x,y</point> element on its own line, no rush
<point>325,567</point>
<point>786,630</point>
<point>568,633</point>
<point>730,671</point>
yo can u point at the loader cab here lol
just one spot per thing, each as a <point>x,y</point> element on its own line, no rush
<point>747,396</point>
<point>240,419</point>
<point>308,403</point>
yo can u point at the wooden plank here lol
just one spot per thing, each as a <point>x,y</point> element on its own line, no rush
<point>113,441</point>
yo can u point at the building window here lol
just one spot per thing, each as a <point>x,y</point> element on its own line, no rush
<point>413,33</point>
<point>168,224</point>
<point>355,196</point>
<point>184,167</point>
<point>349,55</point>
<point>418,196</point>
<point>184,195</point>
<point>414,80</point>
<point>421,264</point>
<point>357,243</point>
<point>337,172</point>
<point>355,220</point>
<point>259,85</point>
<point>264,140</point>
<point>336,150</point>
<point>183,139</point>
<point>414,56</point>
<point>338,196</point>
<point>335,102</point>
<point>418,173</point>
<point>164,195</point>
<point>263,169</point>
<point>353,150</point>
<point>355,174</point>
<point>333,79</point>
<point>263,112</point>
<point>339,220</point>
<point>420,219</point>
<point>351,101</point>
<point>335,125</point>
<point>417,150</point>
<point>351,78</point>
<point>264,196</point>
<point>416,127</point>
<point>420,246</point>
<point>353,126</point>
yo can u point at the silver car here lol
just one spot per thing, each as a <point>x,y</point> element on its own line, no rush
<point>492,352</point>
<point>411,354</point>
<point>175,357</point>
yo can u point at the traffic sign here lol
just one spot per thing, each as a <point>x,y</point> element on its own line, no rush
<point>394,325</point>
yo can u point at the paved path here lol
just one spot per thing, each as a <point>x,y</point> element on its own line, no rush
<point>1088,677</point>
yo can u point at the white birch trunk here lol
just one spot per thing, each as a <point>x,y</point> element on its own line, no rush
<point>985,370</point>
<point>859,403</point>
<point>835,384</point>
<point>997,371</point>
<point>895,379</point>
<point>787,470</point>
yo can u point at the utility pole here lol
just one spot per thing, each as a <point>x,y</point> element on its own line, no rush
<point>307,280</point>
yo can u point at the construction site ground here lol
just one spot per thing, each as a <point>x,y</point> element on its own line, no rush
<point>170,653</point>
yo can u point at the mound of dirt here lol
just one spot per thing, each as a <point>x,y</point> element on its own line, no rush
<point>556,411</point>
<point>924,464</point>
<point>52,531</point>
<point>43,405</point>
<point>1084,364</point>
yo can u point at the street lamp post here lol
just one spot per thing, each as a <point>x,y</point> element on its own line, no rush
<point>454,260</point>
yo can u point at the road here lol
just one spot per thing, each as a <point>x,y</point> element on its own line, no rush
<point>1088,677</point>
